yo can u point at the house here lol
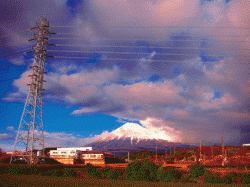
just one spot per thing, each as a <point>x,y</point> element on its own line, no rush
<point>68,155</point>
<point>247,144</point>
<point>92,157</point>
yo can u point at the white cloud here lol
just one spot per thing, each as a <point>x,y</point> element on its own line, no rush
<point>10,128</point>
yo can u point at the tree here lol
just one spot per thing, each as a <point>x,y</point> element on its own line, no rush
<point>145,171</point>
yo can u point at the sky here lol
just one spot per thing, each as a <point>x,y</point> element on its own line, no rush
<point>179,66</point>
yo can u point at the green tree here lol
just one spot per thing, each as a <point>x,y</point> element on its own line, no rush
<point>141,171</point>
<point>196,171</point>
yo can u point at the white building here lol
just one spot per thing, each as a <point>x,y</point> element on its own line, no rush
<point>93,157</point>
<point>246,144</point>
<point>68,151</point>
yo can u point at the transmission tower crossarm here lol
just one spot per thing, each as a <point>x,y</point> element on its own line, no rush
<point>30,131</point>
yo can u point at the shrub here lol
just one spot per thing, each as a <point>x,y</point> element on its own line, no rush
<point>228,179</point>
<point>161,174</point>
<point>104,172</point>
<point>172,175</point>
<point>212,178</point>
<point>56,173</point>
<point>69,173</point>
<point>169,174</point>
<point>114,174</point>
<point>3,169</point>
<point>196,171</point>
<point>92,171</point>
<point>185,178</point>
<point>145,171</point>
<point>32,169</point>
<point>246,178</point>
<point>17,170</point>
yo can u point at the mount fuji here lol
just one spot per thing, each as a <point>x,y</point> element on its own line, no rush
<point>133,137</point>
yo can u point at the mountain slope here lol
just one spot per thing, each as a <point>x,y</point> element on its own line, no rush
<point>133,137</point>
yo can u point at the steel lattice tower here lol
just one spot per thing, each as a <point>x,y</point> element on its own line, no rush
<point>30,132</point>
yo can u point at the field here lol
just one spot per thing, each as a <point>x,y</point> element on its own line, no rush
<point>35,180</point>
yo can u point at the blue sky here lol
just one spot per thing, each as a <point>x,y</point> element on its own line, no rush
<point>174,65</point>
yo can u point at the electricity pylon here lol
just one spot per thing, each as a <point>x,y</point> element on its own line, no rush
<point>30,132</point>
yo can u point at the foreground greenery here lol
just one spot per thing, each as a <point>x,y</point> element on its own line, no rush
<point>40,181</point>
<point>146,171</point>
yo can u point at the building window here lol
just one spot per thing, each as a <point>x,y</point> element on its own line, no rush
<point>87,149</point>
<point>63,152</point>
<point>55,153</point>
<point>72,152</point>
<point>92,156</point>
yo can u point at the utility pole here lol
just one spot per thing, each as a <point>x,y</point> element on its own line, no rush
<point>30,132</point>
<point>200,150</point>
<point>156,151</point>
<point>128,156</point>
<point>222,152</point>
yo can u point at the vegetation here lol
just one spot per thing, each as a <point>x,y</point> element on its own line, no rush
<point>144,168</point>
<point>92,171</point>
<point>168,174</point>
<point>196,171</point>
<point>141,171</point>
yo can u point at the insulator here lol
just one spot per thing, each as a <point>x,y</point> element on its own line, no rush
<point>33,28</point>
<point>53,33</point>
<point>33,66</point>
<point>32,75</point>
<point>31,39</point>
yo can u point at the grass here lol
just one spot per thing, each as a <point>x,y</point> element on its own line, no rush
<point>35,180</point>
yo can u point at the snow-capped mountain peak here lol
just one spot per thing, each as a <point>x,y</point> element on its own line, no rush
<point>134,130</point>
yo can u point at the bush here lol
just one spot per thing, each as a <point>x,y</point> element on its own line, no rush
<point>169,174</point>
<point>246,178</point>
<point>228,179</point>
<point>172,175</point>
<point>56,173</point>
<point>3,169</point>
<point>92,171</point>
<point>185,178</point>
<point>18,170</point>
<point>32,169</point>
<point>161,174</point>
<point>141,171</point>
<point>212,178</point>
<point>196,171</point>
<point>104,171</point>
<point>114,174</point>
<point>69,173</point>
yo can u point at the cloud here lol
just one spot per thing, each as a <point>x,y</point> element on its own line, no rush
<point>18,61</point>
<point>10,128</point>
<point>183,96</point>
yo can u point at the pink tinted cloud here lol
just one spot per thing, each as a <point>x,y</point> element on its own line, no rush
<point>145,93</point>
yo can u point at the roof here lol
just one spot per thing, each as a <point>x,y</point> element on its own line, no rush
<point>92,152</point>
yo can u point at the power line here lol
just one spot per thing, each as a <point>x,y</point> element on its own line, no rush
<point>100,34</point>
<point>127,46</point>
<point>135,53</point>
<point>14,33</point>
<point>145,60</point>
<point>122,39</point>
<point>155,27</point>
